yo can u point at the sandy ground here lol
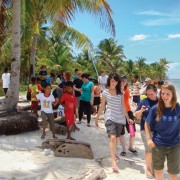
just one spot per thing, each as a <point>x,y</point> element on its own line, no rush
<point>20,157</point>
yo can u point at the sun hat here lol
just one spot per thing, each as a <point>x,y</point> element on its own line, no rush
<point>147,79</point>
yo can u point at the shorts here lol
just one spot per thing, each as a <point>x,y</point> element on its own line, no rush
<point>47,118</point>
<point>69,117</point>
<point>97,101</point>
<point>136,99</point>
<point>113,128</point>
<point>143,136</point>
<point>131,116</point>
<point>34,104</point>
<point>172,154</point>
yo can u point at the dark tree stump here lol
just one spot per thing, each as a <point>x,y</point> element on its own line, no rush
<point>69,148</point>
<point>17,122</point>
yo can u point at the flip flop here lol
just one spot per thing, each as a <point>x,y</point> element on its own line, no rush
<point>43,136</point>
<point>117,157</point>
<point>123,153</point>
<point>133,151</point>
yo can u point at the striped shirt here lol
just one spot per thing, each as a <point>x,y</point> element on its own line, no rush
<point>114,108</point>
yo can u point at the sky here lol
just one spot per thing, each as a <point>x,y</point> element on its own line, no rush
<point>146,28</point>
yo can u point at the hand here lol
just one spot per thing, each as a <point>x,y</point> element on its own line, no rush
<point>143,108</point>
<point>150,143</point>
<point>96,122</point>
<point>130,121</point>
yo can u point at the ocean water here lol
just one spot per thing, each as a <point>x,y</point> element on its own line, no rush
<point>176,83</point>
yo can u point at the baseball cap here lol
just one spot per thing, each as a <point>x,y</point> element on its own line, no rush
<point>147,79</point>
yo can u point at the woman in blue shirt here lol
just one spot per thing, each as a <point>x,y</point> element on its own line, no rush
<point>86,99</point>
<point>163,122</point>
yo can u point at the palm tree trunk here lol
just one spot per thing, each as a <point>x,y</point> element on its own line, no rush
<point>12,97</point>
<point>33,55</point>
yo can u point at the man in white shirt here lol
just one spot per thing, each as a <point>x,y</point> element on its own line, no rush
<point>102,80</point>
<point>6,80</point>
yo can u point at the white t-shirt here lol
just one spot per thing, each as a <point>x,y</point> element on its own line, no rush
<point>6,80</point>
<point>103,81</point>
<point>46,102</point>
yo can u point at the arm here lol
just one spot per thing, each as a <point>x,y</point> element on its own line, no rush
<point>130,121</point>
<point>138,113</point>
<point>148,136</point>
<point>92,95</point>
<point>101,108</point>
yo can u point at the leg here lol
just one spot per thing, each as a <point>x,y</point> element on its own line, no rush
<point>148,159</point>
<point>173,176</point>
<point>52,124</point>
<point>81,110</point>
<point>112,146</point>
<point>159,174</point>
<point>69,132</point>
<point>88,111</point>
<point>44,117</point>
<point>5,90</point>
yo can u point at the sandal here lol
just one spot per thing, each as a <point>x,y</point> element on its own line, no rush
<point>43,136</point>
<point>133,151</point>
<point>123,153</point>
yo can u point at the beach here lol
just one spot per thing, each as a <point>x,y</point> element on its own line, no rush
<point>22,159</point>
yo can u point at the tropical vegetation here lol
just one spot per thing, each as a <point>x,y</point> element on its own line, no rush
<point>37,32</point>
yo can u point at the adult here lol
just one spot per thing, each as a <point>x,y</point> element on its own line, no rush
<point>124,87</point>
<point>6,80</point>
<point>147,81</point>
<point>141,113</point>
<point>76,74</point>
<point>77,85</point>
<point>42,75</point>
<point>135,89</point>
<point>102,80</point>
<point>163,124</point>
<point>115,114</point>
<point>87,98</point>
<point>159,85</point>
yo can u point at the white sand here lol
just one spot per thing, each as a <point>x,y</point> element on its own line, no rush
<point>21,159</point>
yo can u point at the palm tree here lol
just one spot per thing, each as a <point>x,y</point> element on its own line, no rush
<point>13,92</point>
<point>110,54</point>
<point>129,68</point>
<point>140,64</point>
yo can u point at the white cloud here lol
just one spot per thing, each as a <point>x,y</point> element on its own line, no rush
<point>138,37</point>
<point>152,13</point>
<point>173,36</point>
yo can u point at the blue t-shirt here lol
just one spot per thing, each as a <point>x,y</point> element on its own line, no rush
<point>148,103</point>
<point>166,131</point>
<point>86,91</point>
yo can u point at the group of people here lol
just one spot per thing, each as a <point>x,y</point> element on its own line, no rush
<point>157,109</point>
<point>159,123</point>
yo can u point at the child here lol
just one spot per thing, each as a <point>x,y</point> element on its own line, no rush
<point>6,80</point>
<point>113,99</point>
<point>68,101</point>
<point>97,99</point>
<point>136,90</point>
<point>34,89</point>
<point>43,75</point>
<point>46,100</point>
<point>162,124</point>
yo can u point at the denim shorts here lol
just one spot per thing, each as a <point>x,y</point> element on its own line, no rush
<point>113,128</point>
<point>172,154</point>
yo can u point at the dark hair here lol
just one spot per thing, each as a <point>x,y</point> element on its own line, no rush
<point>95,81</point>
<point>76,70</point>
<point>5,69</point>
<point>151,86</point>
<point>46,85</point>
<point>68,84</point>
<point>160,82</point>
<point>136,76</point>
<point>33,79</point>
<point>43,66</point>
<point>52,75</point>
<point>117,79</point>
<point>38,79</point>
<point>85,75</point>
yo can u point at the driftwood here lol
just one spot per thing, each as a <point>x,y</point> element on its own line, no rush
<point>17,122</point>
<point>23,106</point>
<point>95,174</point>
<point>69,148</point>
